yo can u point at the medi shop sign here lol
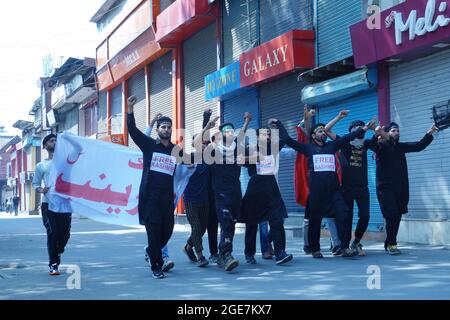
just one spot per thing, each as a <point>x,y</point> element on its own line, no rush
<point>406,29</point>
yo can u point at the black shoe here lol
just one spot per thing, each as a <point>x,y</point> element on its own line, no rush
<point>202,262</point>
<point>229,262</point>
<point>250,259</point>
<point>283,257</point>
<point>348,253</point>
<point>146,257</point>
<point>317,255</point>
<point>190,253</point>
<point>336,251</point>
<point>158,274</point>
<point>307,250</point>
<point>214,258</point>
<point>54,270</point>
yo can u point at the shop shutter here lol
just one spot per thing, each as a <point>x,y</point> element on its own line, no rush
<point>136,87</point>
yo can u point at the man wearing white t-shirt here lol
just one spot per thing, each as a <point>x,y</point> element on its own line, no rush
<point>57,224</point>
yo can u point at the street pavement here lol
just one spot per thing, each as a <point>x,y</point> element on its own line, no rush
<point>107,262</point>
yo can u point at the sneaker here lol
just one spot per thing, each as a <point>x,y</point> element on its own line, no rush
<point>202,262</point>
<point>393,250</point>
<point>213,258</point>
<point>307,250</point>
<point>317,255</point>
<point>158,274</point>
<point>336,251</point>
<point>347,253</point>
<point>267,255</point>
<point>54,270</point>
<point>190,253</point>
<point>283,257</point>
<point>358,247</point>
<point>229,262</point>
<point>250,259</point>
<point>168,265</point>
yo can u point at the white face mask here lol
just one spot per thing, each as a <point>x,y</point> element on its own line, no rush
<point>357,143</point>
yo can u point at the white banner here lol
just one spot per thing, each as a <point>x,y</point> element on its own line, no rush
<point>100,180</point>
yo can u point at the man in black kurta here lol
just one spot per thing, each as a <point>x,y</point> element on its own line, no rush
<point>392,179</point>
<point>156,195</point>
<point>325,197</point>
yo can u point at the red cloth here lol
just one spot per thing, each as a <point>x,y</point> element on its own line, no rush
<point>301,171</point>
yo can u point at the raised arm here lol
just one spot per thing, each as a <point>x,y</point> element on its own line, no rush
<point>308,116</point>
<point>141,140</point>
<point>342,114</point>
<point>341,142</point>
<point>418,146</point>
<point>284,136</point>
<point>247,118</point>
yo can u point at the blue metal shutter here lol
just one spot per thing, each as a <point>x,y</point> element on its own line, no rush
<point>136,87</point>
<point>116,110</point>
<point>161,88</point>
<point>240,33</point>
<point>333,34</point>
<point>71,120</point>
<point>416,87</point>
<point>233,111</point>
<point>281,16</point>
<point>363,108</point>
<point>200,59</point>
<point>281,99</point>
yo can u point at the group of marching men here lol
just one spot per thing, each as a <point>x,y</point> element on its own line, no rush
<point>335,178</point>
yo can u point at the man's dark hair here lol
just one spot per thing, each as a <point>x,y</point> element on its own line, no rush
<point>162,120</point>
<point>356,123</point>
<point>390,126</point>
<point>47,138</point>
<point>315,127</point>
<point>225,125</point>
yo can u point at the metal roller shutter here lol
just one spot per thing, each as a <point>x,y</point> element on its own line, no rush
<point>102,113</point>
<point>281,16</point>
<point>136,87</point>
<point>71,121</point>
<point>240,31</point>
<point>116,110</point>
<point>281,99</point>
<point>415,88</point>
<point>161,87</point>
<point>233,111</point>
<point>361,108</point>
<point>200,59</point>
<point>333,33</point>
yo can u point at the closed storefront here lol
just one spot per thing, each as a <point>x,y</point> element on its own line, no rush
<point>136,87</point>
<point>280,99</point>
<point>102,114</point>
<point>161,87</point>
<point>200,59</point>
<point>416,87</point>
<point>116,110</point>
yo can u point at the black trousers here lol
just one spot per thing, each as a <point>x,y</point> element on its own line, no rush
<point>339,209</point>
<point>388,200</point>
<point>277,233</point>
<point>197,215</point>
<point>213,225</point>
<point>158,234</point>
<point>360,195</point>
<point>57,225</point>
<point>227,210</point>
